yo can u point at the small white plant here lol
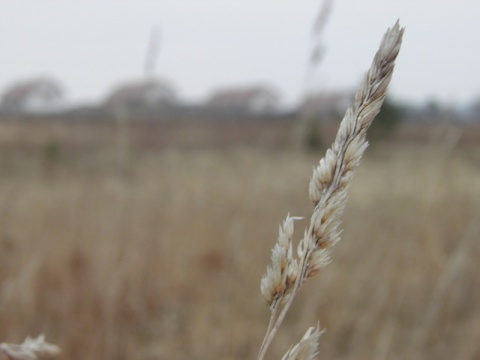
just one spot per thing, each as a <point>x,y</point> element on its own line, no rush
<point>30,349</point>
<point>328,193</point>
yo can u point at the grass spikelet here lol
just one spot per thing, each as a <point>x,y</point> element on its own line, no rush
<point>281,275</point>
<point>307,348</point>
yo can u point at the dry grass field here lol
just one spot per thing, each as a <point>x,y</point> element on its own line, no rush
<point>160,256</point>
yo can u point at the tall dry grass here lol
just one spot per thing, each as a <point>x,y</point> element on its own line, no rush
<point>161,267</point>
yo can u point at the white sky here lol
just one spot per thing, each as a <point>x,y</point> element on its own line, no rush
<point>90,46</point>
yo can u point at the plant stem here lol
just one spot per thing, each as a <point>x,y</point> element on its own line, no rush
<point>275,325</point>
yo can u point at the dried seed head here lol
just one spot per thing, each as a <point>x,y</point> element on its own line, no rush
<point>282,273</point>
<point>328,192</point>
<point>331,178</point>
<point>307,348</point>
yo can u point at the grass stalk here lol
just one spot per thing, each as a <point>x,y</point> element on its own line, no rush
<point>328,193</point>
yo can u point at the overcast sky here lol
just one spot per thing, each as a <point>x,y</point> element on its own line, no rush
<point>90,46</point>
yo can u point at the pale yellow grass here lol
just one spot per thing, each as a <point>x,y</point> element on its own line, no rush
<point>164,264</point>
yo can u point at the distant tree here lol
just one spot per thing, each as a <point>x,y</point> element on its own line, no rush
<point>474,110</point>
<point>254,99</point>
<point>142,93</point>
<point>387,120</point>
<point>36,96</point>
<point>312,138</point>
<point>433,108</point>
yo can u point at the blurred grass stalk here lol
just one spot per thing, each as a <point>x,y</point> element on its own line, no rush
<point>307,136</point>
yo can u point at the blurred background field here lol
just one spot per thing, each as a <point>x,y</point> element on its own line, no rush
<point>156,252</point>
<point>150,150</point>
